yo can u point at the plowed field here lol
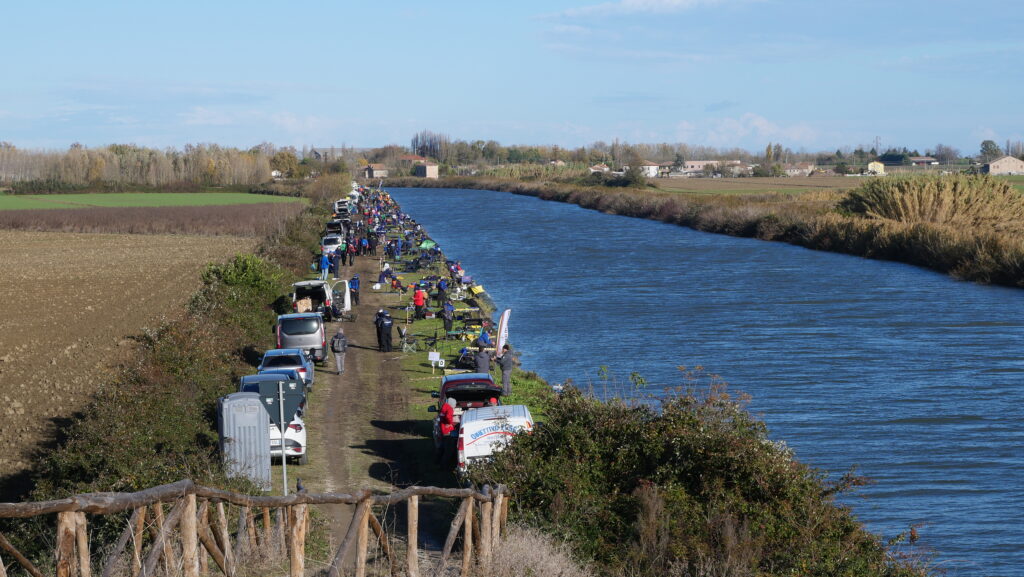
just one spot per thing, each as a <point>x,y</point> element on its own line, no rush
<point>68,302</point>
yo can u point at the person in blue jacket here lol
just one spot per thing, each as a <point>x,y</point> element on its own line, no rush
<point>325,265</point>
<point>353,288</point>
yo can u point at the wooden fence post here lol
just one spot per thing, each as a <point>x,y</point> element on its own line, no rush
<point>65,552</point>
<point>158,519</point>
<point>453,532</point>
<point>362,541</point>
<point>242,534</point>
<point>161,544</point>
<point>334,569</point>
<point>267,531</point>
<point>82,539</point>
<point>201,524</point>
<point>499,500</point>
<point>21,559</point>
<point>189,538</point>
<point>412,537</point>
<point>139,529</point>
<point>225,539</point>
<point>382,538</point>
<point>467,539</point>
<point>297,540</point>
<point>485,537</point>
<point>3,568</point>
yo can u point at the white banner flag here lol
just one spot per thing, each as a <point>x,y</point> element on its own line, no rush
<point>502,330</point>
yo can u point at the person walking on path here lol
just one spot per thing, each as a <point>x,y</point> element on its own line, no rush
<point>482,359</point>
<point>353,288</point>
<point>506,363</point>
<point>339,344</point>
<point>386,322</point>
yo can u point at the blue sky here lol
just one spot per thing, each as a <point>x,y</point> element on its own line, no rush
<point>812,75</point>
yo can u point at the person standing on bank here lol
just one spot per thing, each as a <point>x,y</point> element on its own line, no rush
<point>386,322</point>
<point>507,363</point>
<point>482,359</point>
<point>339,344</point>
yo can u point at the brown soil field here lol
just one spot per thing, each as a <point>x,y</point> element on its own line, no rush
<point>755,185</point>
<point>68,303</point>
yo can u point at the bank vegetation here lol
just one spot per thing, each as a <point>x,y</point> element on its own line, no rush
<point>968,226</point>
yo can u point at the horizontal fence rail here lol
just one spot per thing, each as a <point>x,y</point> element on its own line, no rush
<point>194,529</point>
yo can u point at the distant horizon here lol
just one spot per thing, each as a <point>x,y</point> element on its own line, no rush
<point>722,73</point>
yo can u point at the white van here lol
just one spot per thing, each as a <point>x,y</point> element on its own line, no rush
<point>486,430</point>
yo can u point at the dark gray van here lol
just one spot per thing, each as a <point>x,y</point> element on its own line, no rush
<point>303,331</point>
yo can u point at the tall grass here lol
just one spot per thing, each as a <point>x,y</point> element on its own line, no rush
<point>973,202</point>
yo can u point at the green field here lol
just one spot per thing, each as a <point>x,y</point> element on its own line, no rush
<point>142,199</point>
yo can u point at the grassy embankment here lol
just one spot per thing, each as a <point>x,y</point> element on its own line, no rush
<point>942,237</point>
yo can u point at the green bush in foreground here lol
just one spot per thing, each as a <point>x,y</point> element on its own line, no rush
<point>696,488</point>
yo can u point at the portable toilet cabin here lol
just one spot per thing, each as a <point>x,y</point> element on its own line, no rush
<point>244,428</point>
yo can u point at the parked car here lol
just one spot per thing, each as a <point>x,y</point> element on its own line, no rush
<point>470,390</point>
<point>330,243</point>
<point>289,359</point>
<point>251,383</point>
<point>487,430</point>
<point>318,296</point>
<point>303,331</point>
<point>294,441</point>
<point>334,227</point>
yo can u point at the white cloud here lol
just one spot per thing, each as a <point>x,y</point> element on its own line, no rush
<point>203,116</point>
<point>641,7</point>
<point>752,127</point>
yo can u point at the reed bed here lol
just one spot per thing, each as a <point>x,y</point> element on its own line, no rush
<point>254,220</point>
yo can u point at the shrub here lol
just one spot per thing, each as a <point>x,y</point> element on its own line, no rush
<point>695,488</point>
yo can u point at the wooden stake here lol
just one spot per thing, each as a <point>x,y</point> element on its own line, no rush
<point>382,538</point>
<point>189,538</point>
<point>412,537</point>
<point>225,539</point>
<point>3,568</point>
<point>158,517</point>
<point>504,513</point>
<point>251,526</point>
<point>334,569</point>
<point>267,531</point>
<point>453,532</point>
<point>297,540</point>
<point>485,537</point>
<point>499,500</point>
<point>21,559</point>
<point>362,541</point>
<point>202,524</point>
<point>65,553</point>
<point>242,534</point>
<point>140,527</point>
<point>82,541</point>
<point>211,547</point>
<point>161,544</point>
<point>467,540</point>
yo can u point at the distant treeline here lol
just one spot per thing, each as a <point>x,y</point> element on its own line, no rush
<point>112,167</point>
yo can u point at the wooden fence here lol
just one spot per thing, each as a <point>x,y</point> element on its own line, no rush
<point>195,529</point>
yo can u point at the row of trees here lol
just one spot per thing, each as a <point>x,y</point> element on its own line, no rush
<point>202,164</point>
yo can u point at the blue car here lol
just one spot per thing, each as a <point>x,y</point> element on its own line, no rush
<point>294,359</point>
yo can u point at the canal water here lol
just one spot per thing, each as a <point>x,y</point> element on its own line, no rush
<point>915,378</point>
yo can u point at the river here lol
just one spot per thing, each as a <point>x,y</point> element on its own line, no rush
<point>910,375</point>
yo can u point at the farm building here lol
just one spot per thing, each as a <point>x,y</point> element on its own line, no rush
<point>1005,165</point>
<point>375,171</point>
<point>426,169</point>
<point>875,167</point>
<point>602,167</point>
<point>923,161</point>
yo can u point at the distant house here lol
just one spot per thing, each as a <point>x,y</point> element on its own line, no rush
<point>698,165</point>
<point>923,161</point>
<point>1005,165</point>
<point>649,169</point>
<point>409,159</point>
<point>375,171</point>
<point>599,168</point>
<point>800,169</point>
<point>665,169</point>
<point>875,167</point>
<point>426,170</point>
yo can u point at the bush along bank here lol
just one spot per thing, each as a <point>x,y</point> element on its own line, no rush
<point>815,220</point>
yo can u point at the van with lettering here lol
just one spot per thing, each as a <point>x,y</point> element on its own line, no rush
<point>486,430</point>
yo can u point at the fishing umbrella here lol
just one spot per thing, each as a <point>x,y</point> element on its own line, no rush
<point>428,244</point>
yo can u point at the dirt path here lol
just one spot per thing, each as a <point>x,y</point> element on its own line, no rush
<point>361,434</point>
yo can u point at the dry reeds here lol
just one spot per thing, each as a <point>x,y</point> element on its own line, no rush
<point>250,220</point>
<point>526,551</point>
<point>976,202</point>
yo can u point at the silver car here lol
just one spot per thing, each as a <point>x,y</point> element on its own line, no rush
<point>303,331</point>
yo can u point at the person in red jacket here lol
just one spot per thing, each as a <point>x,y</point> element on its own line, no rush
<point>419,298</point>
<point>446,424</point>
